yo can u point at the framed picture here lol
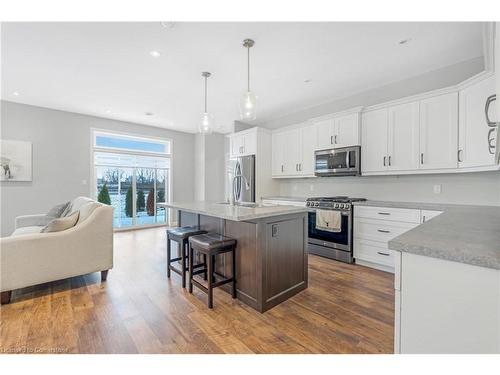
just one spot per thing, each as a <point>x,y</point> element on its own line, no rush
<point>15,160</point>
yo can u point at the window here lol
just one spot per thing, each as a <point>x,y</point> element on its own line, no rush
<point>133,175</point>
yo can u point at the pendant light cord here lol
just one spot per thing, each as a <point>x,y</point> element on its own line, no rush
<point>248,71</point>
<point>206,94</point>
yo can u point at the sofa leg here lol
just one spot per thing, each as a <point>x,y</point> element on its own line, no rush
<point>5,297</point>
<point>104,275</point>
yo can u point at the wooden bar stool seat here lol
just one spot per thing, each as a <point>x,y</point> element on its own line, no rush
<point>211,245</point>
<point>181,236</point>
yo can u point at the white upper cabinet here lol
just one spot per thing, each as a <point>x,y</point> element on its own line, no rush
<point>439,132</point>
<point>338,131</point>
<point>308,140</point>
<point>293,152</point>
<point>346,130</point>
<point>325,132</point>
<point>403,133</point>
<point>475,137</point>
<point>374,141</point>
<point>243,143</point>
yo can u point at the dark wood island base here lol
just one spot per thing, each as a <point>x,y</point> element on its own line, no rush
<point>271,255</point>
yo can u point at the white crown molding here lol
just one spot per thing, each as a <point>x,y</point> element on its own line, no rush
<point>349,111</point>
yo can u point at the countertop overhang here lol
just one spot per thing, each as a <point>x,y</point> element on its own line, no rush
<point>234,213</point>
<point>462,233</point>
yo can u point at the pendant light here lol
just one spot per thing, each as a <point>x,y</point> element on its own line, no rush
<point>207,120</point>
<point>248,103</point>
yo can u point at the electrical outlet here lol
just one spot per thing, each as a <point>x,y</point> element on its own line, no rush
<point>437,189</point>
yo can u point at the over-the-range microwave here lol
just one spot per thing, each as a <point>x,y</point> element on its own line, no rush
<point>344,161</point>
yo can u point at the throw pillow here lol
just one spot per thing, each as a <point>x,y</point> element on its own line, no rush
<point>62,223</point>
<point>57,211</point>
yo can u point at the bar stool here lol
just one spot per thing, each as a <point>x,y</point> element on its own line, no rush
<point>181,236</point>
<point>210,245</point>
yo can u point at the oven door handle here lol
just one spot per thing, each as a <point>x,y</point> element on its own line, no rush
<point>383,231</point>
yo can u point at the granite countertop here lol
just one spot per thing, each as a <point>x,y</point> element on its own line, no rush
<point>284,198</point>
<point>234,213</point>
<point>465,234</point>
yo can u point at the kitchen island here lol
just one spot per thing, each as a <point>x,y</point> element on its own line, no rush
<point>271,252</point>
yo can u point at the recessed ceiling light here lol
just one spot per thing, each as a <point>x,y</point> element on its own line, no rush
<point>405,41</point>
<point>148,113</point>
<point>155,53</point>
<point>15,93</point>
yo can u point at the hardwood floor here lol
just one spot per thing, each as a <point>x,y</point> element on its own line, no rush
<point>346,309</point>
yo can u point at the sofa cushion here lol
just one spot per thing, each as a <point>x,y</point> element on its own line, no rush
<point>58,210</point>
<point>76,204</point>
<point>62,223</point>
<point>27,230</point>
<point>87,209</point>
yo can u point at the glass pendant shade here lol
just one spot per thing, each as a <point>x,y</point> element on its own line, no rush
<point>248,106</point>
<point>206,124</point>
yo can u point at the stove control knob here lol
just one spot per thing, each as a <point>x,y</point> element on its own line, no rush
<point>307,204</point>
<point>336,205</point>
<point>341,205</point>
<point>316,204</point>
<point>347,206</point>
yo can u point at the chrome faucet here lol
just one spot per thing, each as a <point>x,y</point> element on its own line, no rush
<point>232,198</point>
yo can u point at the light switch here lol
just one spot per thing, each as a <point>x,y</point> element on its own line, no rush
<point>437,189</point>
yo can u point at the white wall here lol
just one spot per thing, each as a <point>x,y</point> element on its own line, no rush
<point>62,160</point>
<point>436,79</point>
<point>209,167</point>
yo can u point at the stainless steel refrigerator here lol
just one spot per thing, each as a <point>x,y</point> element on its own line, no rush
<point>241,179</point>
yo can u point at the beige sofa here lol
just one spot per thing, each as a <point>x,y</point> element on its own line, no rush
<point>29,257</point>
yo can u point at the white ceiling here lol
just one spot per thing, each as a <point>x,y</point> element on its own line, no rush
<point>105,69</point>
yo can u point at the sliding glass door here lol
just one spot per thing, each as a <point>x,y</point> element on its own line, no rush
<point>133,182</point>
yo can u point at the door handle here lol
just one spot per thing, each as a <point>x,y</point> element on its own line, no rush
<point>331,139</point>
<point>385,157</point>
<point>389,160</point>
<point>459,155</point>
<point>422,158</point>
<point>491,147</point>
<point>335,139</point>
<point>385,254</point>
<point>383,231</point>
<point>281,167</point>
<point>300,167</point>
<point>384,213</point>
<point>490,99</point>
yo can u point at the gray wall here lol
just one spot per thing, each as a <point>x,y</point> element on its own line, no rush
<point>482,188</point>
<point>472,188</point>
<point>62,160</point>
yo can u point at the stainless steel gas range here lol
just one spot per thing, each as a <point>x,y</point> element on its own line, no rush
<point>334,244</point>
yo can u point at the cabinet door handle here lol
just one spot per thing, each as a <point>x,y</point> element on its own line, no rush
<point>300,167</point>
<point>385,254</point>
<point>331,139</point>
<point>491,141</point>
<point>389,160</point>
<point>385,157</point>
<point>383,231</point>
<point>335,139</point>
<point>422,158</point>
<point>281,167</point>
<point>459,155</point>
<point>384,213</point>
<point>423,219</point>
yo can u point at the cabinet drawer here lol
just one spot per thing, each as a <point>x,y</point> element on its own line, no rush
<point>380,230</point>
<point>384,213</point>
<point>374,252</point>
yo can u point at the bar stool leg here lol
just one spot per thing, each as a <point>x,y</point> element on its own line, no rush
<point>191,255</point>
<point>183,262</point>
<point>205,267</point>
<point>210,281</point>
<point>233,252</point>
<point>168,256</point>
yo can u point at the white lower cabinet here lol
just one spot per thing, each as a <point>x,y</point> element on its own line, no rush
<point>374,227</point>
<point>445,307</point>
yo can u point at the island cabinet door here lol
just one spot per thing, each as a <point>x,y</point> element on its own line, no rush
<point>285,260</point>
